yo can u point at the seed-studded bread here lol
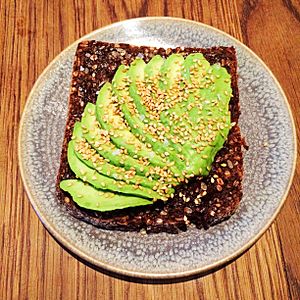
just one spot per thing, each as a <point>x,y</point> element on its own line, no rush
<point>203,201</point>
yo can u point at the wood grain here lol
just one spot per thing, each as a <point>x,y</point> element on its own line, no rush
<point>32,264</point>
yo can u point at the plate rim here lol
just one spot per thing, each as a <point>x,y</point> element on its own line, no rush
<point>137,274</point>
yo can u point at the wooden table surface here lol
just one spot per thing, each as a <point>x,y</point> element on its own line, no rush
<point>32,263</point>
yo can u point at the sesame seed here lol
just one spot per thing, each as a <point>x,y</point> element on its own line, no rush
<point>230,164</point>
<point>143,231</point>
<point>159,221</point>
<point>203,186</point>
<point>67,200</point>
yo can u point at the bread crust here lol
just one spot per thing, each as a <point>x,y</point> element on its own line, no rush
<point>221,191</point>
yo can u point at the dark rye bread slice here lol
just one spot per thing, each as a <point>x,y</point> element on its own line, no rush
<point>202,202</point>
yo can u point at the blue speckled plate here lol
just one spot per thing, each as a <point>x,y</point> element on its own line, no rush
<point>266,121</point>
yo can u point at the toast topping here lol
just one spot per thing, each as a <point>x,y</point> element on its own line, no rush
<point>156,125</point>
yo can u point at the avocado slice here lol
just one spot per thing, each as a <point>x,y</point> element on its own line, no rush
<point>145,74</point>
<point>184,82</point>
<point>184,115</point>
<point>95,135</point>
<point>88,197</point>
<point>92,159</point>
<point>215,117</point>
<point>158,75</point>
<point>155,70</point>
<point>138,127</point>
<point>207,103</point>
<point>111,119</point>
<point>99,181</point>
<point>181,70</point>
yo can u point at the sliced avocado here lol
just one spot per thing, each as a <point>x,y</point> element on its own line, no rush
<point>214,117</point>
<point>99,181</point>
<point>165,120</point>
<point>171,72</point>
<point>208,112</point>
<point>182,69</point>
<point>209,78</point>
<point>159,76</point>
<point>88,197</point>
<point>204,106</point>
<point>192,111</point>
<point>172,83</point>
<point>138,127</point>
<point>92,159</point>
<point>196,63</point>
<point>109,116</point>
<point>145,73</point>
<point>94,134</point>
<point>175,75</point>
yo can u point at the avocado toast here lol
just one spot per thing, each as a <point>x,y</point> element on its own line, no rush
<point>129,161</point>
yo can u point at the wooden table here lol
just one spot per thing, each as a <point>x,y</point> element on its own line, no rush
<point>32,264</point>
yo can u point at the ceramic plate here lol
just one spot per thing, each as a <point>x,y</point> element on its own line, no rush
<point>266,121</point>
